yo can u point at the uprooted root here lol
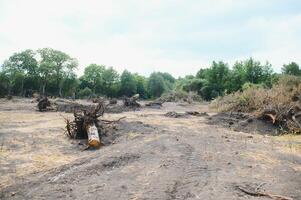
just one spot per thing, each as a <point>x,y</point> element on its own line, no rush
<point>132,101</point>
<point>80,127</point>
<point>44,104</point>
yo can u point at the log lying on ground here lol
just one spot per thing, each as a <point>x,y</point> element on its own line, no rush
<point>156,104</point>
<point>86,125</point>
<point>132,101</point>
<point>93,136</point>
<point>173,114</point>
<point>195,113</point>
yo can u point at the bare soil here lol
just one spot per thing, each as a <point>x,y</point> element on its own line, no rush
<point>147,156</point>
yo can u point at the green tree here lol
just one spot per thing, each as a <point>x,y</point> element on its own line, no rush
<point>202,73</point>
<point>217,78</point>
<point>13,75</point>
<point>19,68</point>
<point>110,80</point>
<point>141,85</point>
<point>128,84</point>
<point>156,85</point>
<point>93,77</point>
<point>190,83</point>
<point>59,63</point>
<point>45,71</point>
<point>4,80</point>
<point>84,93</point>
<point>291,69</point>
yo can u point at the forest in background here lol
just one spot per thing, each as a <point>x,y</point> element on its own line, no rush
<point>52,72</point>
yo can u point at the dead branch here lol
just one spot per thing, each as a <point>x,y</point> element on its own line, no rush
<point>262,194</point>
<point>113,121</point>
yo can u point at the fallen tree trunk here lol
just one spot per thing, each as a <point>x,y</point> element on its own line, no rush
<point>154,104</point>
<point>93,136</point>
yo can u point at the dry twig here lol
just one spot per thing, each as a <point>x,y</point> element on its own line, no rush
<point>263,194</point>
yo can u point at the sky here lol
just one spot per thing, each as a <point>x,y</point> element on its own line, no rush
<point>175,36</point>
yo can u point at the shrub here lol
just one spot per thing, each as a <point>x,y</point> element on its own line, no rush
<point>180,95</point>
<point>84,93</point>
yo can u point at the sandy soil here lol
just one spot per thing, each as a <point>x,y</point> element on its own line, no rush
<point>152,157</point>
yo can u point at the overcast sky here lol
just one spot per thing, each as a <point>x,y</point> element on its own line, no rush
<point>177,36</point>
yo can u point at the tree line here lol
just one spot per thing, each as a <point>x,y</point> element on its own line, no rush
<point>52,72</point>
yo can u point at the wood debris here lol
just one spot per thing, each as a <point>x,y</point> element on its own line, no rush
<point>86,125</point>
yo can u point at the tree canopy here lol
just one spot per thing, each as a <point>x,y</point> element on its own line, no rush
<point>52,72</point>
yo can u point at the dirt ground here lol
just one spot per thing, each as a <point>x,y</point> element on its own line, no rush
<point>151,157</point>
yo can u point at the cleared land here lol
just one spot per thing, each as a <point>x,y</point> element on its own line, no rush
<point>151,157</point>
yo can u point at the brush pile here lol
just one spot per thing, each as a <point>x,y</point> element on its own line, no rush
<point>279,105</point>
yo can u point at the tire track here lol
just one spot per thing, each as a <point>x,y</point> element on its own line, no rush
<point>194,178</point>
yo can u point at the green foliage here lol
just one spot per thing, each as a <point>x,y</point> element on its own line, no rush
<point>84,93</point>
<point>156,85</point>
<point>219,79</point>
<point>110,82</point>
<point>56,64</point>
<point>141,86</point>
<point>93,77</point>
<point>3,84</point>
<point>291,69</point>
<point>52,72</point>
<point>249,85</point>
<point>128,84</point>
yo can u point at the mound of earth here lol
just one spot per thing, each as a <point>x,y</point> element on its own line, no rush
<point>243,122</point>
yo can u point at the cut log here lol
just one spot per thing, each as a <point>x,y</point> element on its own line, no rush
<point>93,136</point>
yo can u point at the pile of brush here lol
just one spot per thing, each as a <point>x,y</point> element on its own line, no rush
<point>280,105</point>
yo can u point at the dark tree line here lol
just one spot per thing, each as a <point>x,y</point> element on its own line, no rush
<point>51,72</point>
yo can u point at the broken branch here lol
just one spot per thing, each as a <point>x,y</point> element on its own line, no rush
<point>258,194</point>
